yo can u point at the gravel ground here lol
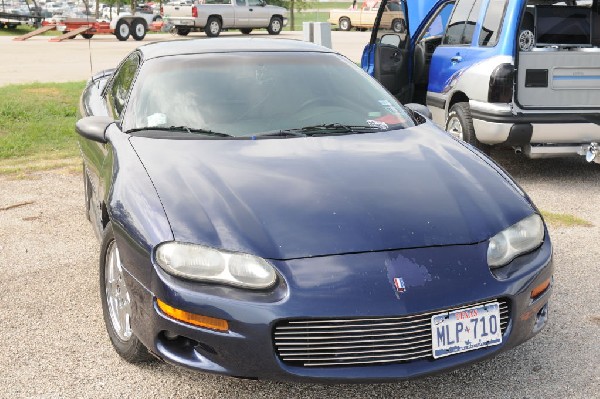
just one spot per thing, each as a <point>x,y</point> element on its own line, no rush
<point>55,345</point>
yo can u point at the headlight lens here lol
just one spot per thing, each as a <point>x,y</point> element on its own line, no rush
<point>516,240</point>
<point>197,262</point>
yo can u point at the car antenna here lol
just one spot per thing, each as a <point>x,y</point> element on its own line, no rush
<point>87,17</point>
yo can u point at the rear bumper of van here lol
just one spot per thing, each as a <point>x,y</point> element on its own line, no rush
<point>539,134</point>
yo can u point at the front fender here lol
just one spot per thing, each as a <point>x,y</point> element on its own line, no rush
<point>133,206</point>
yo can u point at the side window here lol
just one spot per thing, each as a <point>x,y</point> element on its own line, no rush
<point>254,3</point>
<point>438,24</point>
<point>467,37</point>
<point>462,23</point>
<point>492,23</point>
<point>121,84</point>
<point>240,3</point>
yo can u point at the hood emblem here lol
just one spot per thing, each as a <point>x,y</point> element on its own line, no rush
<point>399,284</point>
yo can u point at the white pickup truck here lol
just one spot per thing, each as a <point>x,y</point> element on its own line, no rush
<point>212,16</point>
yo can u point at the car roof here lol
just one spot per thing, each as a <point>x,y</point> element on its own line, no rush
<point>227,45</point>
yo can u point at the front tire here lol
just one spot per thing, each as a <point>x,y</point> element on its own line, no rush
<point>138,29</point>
<point>345,24</point>
<point>460,125</point>
<point>213,27</point>
<point>275,26</point>
<point>122,30</point>
<point>116,302</point>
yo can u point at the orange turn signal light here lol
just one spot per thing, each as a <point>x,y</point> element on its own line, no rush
<point>191,318</point>
<point>540,289</point>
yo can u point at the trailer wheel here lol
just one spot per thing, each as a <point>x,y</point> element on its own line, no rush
<point>182,31</point>
<point>87,35</point>
<point>123,30</point>
<point>246,31</point>
<point>213,27</point>
<point>138,29</point>
<point>275,26</point>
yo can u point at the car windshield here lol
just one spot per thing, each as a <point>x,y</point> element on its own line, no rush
<point>251,94</point>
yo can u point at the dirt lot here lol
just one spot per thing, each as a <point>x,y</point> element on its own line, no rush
<point>55,344</point>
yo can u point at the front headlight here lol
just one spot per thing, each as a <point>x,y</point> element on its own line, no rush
<point>197,262</point>
<point>520,238</point>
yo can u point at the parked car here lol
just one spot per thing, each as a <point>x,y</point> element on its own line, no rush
<point>516,73</point>
<point>270,220</point>
<point>364,18</point>
<point>216,15</point>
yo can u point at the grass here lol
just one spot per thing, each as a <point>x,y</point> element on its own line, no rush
<point>330,5</point>
<point>23,29</point>
<point>37,129</point>
<point>564,220</point>
<point>302,16</point>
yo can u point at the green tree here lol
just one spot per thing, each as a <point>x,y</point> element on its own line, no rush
<point>291,5</point>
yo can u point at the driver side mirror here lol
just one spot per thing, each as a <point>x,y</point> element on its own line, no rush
<point>262,3</point>
<point>94,127</point>
<point>420,109</point>
<point>390,40</point>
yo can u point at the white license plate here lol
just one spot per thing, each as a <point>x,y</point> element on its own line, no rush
<point>466,329</point>
<point>185,22</point>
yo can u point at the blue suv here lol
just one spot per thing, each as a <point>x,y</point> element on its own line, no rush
<point>517,73</point>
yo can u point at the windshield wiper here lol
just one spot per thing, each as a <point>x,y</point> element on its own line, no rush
<point>180,129</point>
<point>339,128</point>
<point>325,129</point>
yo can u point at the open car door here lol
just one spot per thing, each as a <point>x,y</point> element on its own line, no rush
<point>389,55</point>
<point>386,57</point>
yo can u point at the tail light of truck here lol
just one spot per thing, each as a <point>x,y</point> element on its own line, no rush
<point>501,84</point>
<point>162,12</point>
<point>194,11</point>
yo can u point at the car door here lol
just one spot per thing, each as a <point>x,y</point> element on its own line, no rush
<point>458,51</point>
<point>259,15</point>
<point>98,156</point>
<point>242,14</point>
<point>389,59</point>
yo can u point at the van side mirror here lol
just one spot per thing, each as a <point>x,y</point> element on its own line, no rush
<point>390,40</point>
<point>94,127</point>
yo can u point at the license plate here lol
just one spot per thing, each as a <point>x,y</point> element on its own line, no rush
<point>466,329</point>
<point>185,22</point>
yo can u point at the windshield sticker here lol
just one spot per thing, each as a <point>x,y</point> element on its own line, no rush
<point>374,114</point>
<point>385,103</point>
<point>157,120</point>
<point>377,124</point>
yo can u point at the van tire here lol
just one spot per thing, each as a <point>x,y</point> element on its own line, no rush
<point>460,125</point>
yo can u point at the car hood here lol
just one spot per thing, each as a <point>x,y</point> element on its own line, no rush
<point>302,197</point>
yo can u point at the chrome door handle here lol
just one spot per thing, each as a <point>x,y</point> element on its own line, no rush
<point>456,59</point>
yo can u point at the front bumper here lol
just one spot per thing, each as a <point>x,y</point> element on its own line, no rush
<point>496,124</point>
<point>337,287</point>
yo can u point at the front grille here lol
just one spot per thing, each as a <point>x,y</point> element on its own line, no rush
<point>362,341</point>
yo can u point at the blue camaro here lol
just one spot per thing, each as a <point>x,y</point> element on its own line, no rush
<point>268,210</point>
